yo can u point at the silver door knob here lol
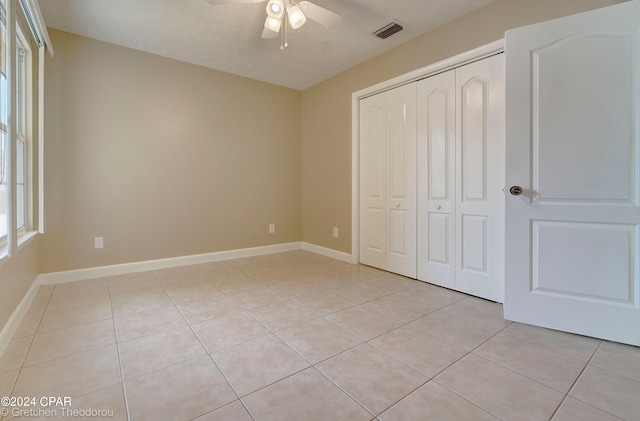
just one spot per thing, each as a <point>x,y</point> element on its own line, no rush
<point>515,190</point>
<point>438,207</point>
<point>397,205</point>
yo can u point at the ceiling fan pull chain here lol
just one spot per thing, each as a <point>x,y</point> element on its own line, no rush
<point>285,30</point>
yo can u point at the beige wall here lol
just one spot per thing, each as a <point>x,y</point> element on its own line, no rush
<point>17,274</point>
<point>162,158</point>
<point>326,107</point>
<point>165,159</point>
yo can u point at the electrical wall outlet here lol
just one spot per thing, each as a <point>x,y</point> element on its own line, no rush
<point>335,232</point>
<point>272,228</point>
<point>99,242</point>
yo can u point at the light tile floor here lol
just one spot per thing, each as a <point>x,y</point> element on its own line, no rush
<point>297,336</point>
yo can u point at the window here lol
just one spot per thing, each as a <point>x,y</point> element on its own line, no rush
<point>16,150</point>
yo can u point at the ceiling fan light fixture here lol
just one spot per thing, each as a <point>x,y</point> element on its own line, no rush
<point>295,15</point>
<point>275,9</point>
<point>273,24</point>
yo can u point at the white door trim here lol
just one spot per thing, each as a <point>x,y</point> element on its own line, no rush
<point>439,67</point>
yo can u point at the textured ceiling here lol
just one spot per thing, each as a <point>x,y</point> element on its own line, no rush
<point>228,38</point>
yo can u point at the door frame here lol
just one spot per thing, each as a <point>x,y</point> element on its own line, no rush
<point>450,63</point>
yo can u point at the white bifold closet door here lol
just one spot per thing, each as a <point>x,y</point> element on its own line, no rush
<point>388,180</point>
<point>461,166</point>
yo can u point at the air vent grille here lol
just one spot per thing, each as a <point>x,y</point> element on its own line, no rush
<point>388,30</point>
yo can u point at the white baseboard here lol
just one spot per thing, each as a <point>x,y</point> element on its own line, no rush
<point>12,324</point>
<point>98,272</point>
<point>121,269</point>
<point>323,251</point>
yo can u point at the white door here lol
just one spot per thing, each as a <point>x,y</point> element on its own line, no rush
<point>388,180</point>
<point>372,181</point>
<point>480,163</point>
<point>436,179</point>
<point>401,180</point>
<point>573,146</point>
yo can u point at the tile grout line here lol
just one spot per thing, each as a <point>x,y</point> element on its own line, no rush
<point>272,332</point>
<point>586,364</point>
<point>565,395</point>
<point>63,356</point>
<point>464,356</point>
<point>208,354</point>
<point>568,395</point>
<point>403,324</point>
<point>432,378</point>
<point>468,400</point>
<point>33,337</point>
<point>604,341</point>
<point>312,365</point>
<point>115,333</point>
<point>343,390</point>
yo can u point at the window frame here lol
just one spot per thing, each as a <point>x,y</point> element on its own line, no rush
<point>20,128</point>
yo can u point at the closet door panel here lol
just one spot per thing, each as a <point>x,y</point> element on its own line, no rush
<point>440,230</point>
<point>480,143</point>
<point>436,179</point>
<point>372,181</point>
<point>473,138</point>
<point>473,230</point>
<point>438,142</point>
<point>401,180</point>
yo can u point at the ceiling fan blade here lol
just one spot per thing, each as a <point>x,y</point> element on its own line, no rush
<point>268,34</point>
<point>220,2</point>
<point>319,14</point>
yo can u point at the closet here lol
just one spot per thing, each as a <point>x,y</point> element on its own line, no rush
<point>431,179</point>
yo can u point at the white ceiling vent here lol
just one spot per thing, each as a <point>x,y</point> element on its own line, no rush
<point>388,30</point>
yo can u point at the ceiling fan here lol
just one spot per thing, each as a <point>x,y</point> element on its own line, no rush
<point>279,12</point>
